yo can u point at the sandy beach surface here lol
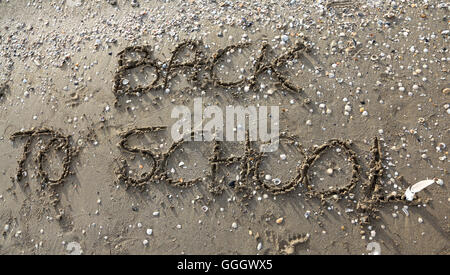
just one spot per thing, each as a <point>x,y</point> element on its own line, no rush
<point>364,105</point>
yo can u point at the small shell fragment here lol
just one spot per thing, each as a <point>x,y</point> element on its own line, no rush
<point>259,247</point>
<point>276,181</point>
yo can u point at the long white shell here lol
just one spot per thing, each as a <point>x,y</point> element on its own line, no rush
<point>421,185</point>
<point>409,193</point>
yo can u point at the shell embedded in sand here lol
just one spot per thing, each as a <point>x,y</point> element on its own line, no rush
<point>409,193</point>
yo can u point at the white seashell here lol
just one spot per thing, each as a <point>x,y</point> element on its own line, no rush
<point>276,181</point>
<point>410,191</point>
<point>409,195</point>
<point>421,185</point>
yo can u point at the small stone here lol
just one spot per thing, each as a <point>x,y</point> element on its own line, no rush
<point>234,225</point>
<point>330,171</point>
<point>134,3</point>
<point>156,213</point>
